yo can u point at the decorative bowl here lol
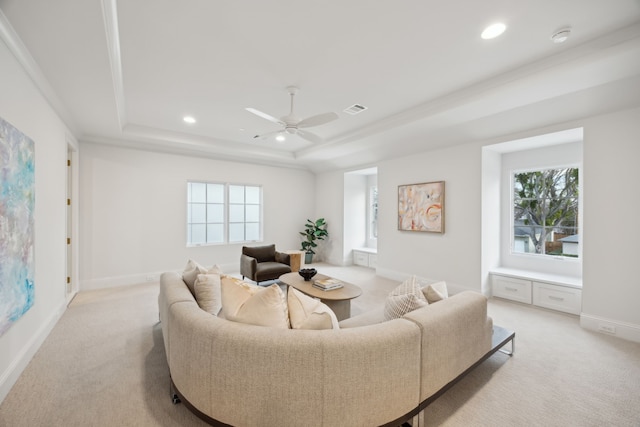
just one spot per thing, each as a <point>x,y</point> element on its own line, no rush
<point>307,273</point>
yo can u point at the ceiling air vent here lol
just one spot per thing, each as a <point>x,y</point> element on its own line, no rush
<point>355,109</point>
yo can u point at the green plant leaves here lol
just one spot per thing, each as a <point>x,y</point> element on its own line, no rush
<point>314,230</point>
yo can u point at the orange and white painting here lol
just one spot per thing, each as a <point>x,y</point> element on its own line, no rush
<point>421,207</point>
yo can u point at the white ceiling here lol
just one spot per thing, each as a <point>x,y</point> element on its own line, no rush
<point>126,72</point>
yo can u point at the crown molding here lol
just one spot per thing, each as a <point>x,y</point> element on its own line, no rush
<point>110,16</point>
<point>605,50</point>
<point>24,58</point>
<point>170,147</point>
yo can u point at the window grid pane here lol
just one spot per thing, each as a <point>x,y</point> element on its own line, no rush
<point>215,213</point>
<point>236,194</point>
<point>236,213</point>
<point>207,212</point>
<point>252,195</point>
<point>236,232</point>
<point>198,213</point>
<point>252,231</point>
<point>252,213</point>
<point>215,193</point>
<point>198,192</point>
<point>215,233</point>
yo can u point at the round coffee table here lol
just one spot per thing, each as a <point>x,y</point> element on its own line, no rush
<point>338,300</point>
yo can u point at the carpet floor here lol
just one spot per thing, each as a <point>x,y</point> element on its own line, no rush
<point>104,365</point>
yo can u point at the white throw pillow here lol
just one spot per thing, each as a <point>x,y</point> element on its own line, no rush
<point>246,303</point>
<point>208,293</point>
<point>309,313</point>
<point>190,274</point>
<point>404,299</point>
<point>435,292</point>
<point>191,271</point>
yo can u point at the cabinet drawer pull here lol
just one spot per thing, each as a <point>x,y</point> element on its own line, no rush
<point>556,298</point>
<point>511,289</point>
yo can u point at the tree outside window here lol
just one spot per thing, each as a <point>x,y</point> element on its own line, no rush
<point>545,212</point>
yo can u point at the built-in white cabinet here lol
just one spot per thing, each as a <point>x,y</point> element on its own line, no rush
<point>360,258</point>
<point>561,298</point>
<point>373,259</point>
<point>555,293</point>
<point>366,257</point>
<point>512,288</point>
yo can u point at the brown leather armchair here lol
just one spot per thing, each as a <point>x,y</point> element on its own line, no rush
<point>260,263</point>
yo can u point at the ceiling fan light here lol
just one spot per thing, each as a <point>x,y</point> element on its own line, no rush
<point>493,31</point>
<point>292,125</point>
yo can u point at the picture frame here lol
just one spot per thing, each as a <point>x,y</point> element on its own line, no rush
<point>17,241</point>
<point>421,207</point>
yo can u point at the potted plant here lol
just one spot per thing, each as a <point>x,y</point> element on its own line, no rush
<point>313,230</point>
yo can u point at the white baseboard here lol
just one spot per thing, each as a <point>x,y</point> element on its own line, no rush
<point>391,274</point>
<point>135,279</point>
<point>627,331</point>
<point>115,281</point>
<point>14,370</point>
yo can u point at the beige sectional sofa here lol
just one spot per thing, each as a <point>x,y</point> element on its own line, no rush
<point>364,374</point>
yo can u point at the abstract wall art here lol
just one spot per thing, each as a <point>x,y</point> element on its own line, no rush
<point>17,204</point>
<point>421,207</point>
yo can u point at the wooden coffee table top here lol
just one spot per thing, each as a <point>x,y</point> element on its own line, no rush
<point>347,292</point>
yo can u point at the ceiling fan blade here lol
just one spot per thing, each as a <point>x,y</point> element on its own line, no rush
<point>268,134</point>
<point>309,136</point>
<point>265,116</point>
<point>318,120</point>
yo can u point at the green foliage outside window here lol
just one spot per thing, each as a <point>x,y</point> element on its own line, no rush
<point>545,211</point>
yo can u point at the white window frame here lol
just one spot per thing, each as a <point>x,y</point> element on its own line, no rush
<point>520,158</point>
<point>372,213</point>
<point>228,212</point>
<point>512,215</point>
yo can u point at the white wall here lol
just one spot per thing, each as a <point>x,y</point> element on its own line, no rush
<point>133,212</point>
<point>355,213</point>
<point>453,256</point>
<point>490,228</point>
<point>22,105</point>
<point>611,283</point>
<point>330,206</point>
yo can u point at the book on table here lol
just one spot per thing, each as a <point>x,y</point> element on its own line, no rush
<point>327,284</point>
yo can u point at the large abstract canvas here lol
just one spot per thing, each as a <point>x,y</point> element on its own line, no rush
<point>421,207</point>
<point>17,203</point>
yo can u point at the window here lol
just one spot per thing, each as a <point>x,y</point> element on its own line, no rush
<point>219,213</point>
<point>545,212</point>
<point>244,213</point>
<point>373,212</point>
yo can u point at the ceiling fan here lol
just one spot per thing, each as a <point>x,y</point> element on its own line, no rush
<point>292,124</point>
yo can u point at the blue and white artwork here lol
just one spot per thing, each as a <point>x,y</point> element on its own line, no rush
<point>17,204</point>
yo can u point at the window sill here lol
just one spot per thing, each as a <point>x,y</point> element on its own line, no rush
<point>555,279</point>
<point>367,250</point>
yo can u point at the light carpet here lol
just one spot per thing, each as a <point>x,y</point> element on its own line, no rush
<point>104,365</point>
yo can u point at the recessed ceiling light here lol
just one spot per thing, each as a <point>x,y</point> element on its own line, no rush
<point>493,31</point>
<point>280,138</point>
<point>189,119</point>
